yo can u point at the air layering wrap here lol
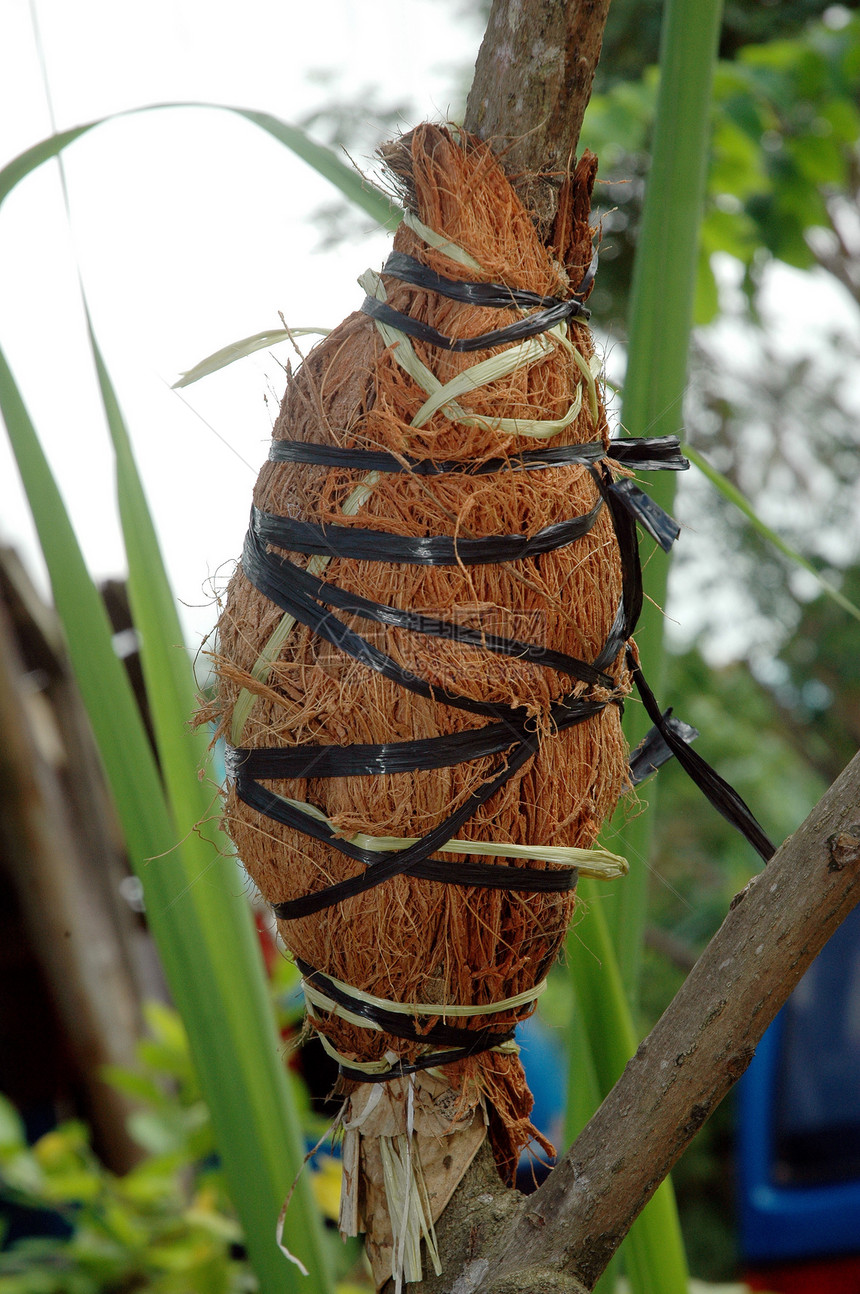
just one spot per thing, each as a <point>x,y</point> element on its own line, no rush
<point>422,663</point>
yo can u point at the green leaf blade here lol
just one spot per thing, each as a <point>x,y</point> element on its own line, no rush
<point>240,350</point>
<point>226,1007</point>
<point>354,186</point>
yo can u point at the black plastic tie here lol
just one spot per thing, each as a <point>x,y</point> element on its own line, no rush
<point>649,514</point>
<point>363,544</point>
<point>660,453</point>
<point>493,295</point>
<point>653,751</point>
<point>723,797</point>
<point>521,330</point>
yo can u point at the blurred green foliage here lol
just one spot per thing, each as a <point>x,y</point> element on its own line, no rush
<point>818,694</point>
<point>633,31</point>
<point>167,1226</point>
<point>785,160</point>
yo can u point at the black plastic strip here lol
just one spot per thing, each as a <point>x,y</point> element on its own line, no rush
<point>498,876</point>
<point>272,577</point>
<point>445,871</point>
<point>359,760</point>
<point>652,752</point>
<point>397,863</point>
<point>649,514</point>
<point>630,606</point>
<point>302,451</point>
<point>493,295</point>
<point>482,876</point>
<point>589,275</point>
<point>400,1025</point>
<point>722,796</point>
<point>395,617</point>
<point>429,1061</point>
<point>658,453</point>
<point>518,331</point>
<point>362,544</point>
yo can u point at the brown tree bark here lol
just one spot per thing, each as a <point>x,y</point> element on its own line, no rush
<point>532,85</point>
<point>497,1242</point>
<point>61,857</point>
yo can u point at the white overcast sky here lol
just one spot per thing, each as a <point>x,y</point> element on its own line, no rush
<point>189,227</point>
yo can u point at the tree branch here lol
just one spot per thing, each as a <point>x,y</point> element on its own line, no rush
<point>570,1228</point>
<point>531,88</point>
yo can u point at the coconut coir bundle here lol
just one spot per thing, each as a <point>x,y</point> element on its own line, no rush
<point>411,939</point>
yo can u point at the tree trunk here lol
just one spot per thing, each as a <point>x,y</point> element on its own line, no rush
<point>497,1241</point>
<point>532,85</point>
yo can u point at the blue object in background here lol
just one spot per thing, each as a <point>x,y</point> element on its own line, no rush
<point>799,1116</point>
<point>543,1059</point>
<point>545,1064</point>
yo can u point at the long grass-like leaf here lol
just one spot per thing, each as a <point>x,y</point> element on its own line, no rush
<point>354,186</point>
<point>239,350</point>
<point>653,1251</point>
<point>226,1006</point>
<point>661,316</point>
<point>358,190</point>
<point>742,503</point>
<point>659,334</point>
<point>193,893</point>
<point>193,896</point>
<point>103,683</point>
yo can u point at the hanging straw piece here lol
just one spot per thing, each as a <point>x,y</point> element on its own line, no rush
<point>422,668</point>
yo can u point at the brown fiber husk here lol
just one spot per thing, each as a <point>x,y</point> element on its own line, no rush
<point>410,939</point>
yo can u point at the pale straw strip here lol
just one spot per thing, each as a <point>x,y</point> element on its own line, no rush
<point>589,371</point>
<point>442,398</point>
<point>441,244</point>
<point>523,355</point>
<point>373,1067</point>
<point>598,864</point>
<point>319,997</point>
